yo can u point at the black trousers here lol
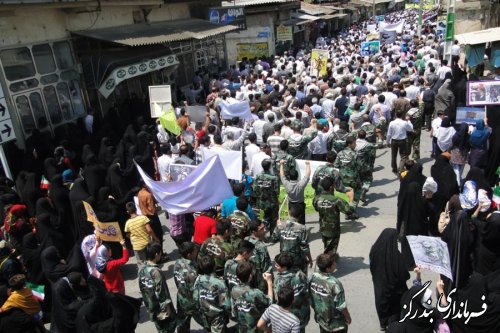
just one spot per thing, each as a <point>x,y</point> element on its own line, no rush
<point>154,222</point>
<point>398,146</point>
<point>301,208</point>
<point>318,157</point>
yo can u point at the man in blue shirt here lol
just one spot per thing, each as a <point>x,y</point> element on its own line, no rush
<point>229,205</point>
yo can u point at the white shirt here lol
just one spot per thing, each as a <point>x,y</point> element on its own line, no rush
<point>286,132</point>
<point>455,50</point>
<point>412,92</point>
<point>398,129</point>
<point>164,166</point>
<point>258,129</point>
<point>435,124</point>
<point>256,166</point>
<point>441,72</point>
<point>250,152</point>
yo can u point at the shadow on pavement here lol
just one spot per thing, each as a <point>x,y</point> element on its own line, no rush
<point>366,212</point>
<point>425,160</point>
<point>351,226</point>
<point>372,197</point>
<point>348,265</point>
<point>385,152</point>
<point>382,182</point>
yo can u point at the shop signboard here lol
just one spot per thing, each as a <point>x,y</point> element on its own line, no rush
<point>252,50</point>
<point>284,33</point>
<point>228,16</point>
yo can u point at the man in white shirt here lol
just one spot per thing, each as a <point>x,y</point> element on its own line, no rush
<point>256,166</point>
<point>258,127</point>
<point>164,162</point>
<point>396,138</point>
<point>251,149</point>
<point>435,124</point>
<point>455,53</point>
<point>441,72</point>
<point>286,131</point>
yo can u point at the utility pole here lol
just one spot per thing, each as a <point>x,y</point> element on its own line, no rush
<point>420,19</point>
<point>374,12</point>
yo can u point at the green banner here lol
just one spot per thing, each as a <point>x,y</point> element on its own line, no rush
<point>450,26</point>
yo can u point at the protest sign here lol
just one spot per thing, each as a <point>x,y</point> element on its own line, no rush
<point>196,113</point>
<point>233,109</point>
<point>370,48</point>
<point>107,231</point>
<point>387,37</point>
<point>483,93</point>
<point>398,26</point>
<point>160,100</point>
<point>179,172</point>
<point>232,161</point>
<point>469,114</point>
<point>319,58</point>
<point>431,253</point>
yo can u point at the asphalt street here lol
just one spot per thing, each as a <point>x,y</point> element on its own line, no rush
<point>353,268</point>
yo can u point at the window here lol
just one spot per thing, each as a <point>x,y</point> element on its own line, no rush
<point>76,97</point>
<point>64,99</point>
<point>23,85</point>
<point>48,79</point>
<point>62,52</point>
<point>38,110</point>
<point>17,63</point>
<point>49,93</point>
<point>43,58</point>
<point>24,110</point>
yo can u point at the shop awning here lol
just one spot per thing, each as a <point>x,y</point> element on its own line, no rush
<point>157,33</point>
<point>252,2</point>
<point>305,17</point>
<point>315,9</point>
<point>328,17</point>
<point>479,37</point>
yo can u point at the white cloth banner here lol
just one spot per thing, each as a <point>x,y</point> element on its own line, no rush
<point>301,167</point>
<point>196,113</point>
<point>371,27</point>
<point>398,26</point>
<point>236,109</point>
<point>205,187</point>
<point>431,253</point>
<point>232,161</point>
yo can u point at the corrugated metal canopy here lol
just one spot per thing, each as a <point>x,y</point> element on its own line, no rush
<point>305,17</point>
<point>479,37</point>
<point>157,33</point>
<point>327,17</point>
<point>314,9</point>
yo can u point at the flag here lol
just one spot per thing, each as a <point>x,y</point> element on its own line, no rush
<point>205,187</point>
<point>44,183</point>
<point>169,121</point>
<point>231,160</point>
<point>38,291</point>
<point>91,216</point>
<point>235,109</point>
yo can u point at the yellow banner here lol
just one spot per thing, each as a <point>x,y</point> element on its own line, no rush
<point>107,231</point>
<point>319,58</point>
<point>252,50</point>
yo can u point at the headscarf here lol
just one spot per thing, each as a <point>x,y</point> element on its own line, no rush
<point>88,244</point>
<point>445,134</point>
<point>477,175</point>
<point>52,266</point>
<point>389,274</point>
<point>460,139</point>
<point>103,255</point>
<point>468,197</point>
<point>484,201</point>
<point>480,135</point>
<point>430,185</point>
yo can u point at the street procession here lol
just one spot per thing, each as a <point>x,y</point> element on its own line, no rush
<point>240,166</point>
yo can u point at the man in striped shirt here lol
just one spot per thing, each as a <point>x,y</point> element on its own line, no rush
<point>274,140</point>
<point>279,317</point>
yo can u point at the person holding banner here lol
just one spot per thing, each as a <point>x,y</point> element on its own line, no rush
<point>110,269</point>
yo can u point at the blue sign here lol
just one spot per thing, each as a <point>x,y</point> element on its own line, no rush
<point>263,34</point>
<point>228,16</point>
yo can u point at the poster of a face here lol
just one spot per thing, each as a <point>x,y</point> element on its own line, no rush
<point>179,172</point>
<point>469,114</point>
<point>483,93</point>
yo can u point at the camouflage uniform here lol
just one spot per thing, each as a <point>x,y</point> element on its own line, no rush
<point>329,208</point>
<point>293,239</point>
<point>156,297</point>
<point>371,135</point>
<point>230,274</point>
<point>220,250</point>
<point>248,305</point>
<point>290,163</point>
<point>261,262</point>
<point>347,164</point>
<point>327,301</point>
<point>366,160</point>
<point>212,297</point>
<point>185,275</point>
<point>266,192</point>
<point>298,282</point>
<point>324,171</point>
<point>296,122</point>
<point>297,144</point>
<point>240,225</point>
<point>413,138</point>
<point>336,141</point>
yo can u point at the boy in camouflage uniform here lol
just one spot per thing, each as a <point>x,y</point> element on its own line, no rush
<point>337,140</point>
<point>327,170</point>
<point>185,275</point>
<point>218,246</point>
<point>328,298</point>
<point>366,160</point>
<point>297,143</point>
<point>283,154</point>
<point>329,207</point>
<point>245,250</point>
<point>266,191</point>
<point>211,296</point>
<point>248,304</point>
<point>413,138</point>
<point>240,222</point>
<point>298,282</point>
<point>347,164</point>
<point>155,293</point>
<point>260,256</point>
<point>293,239</point>
<point>370,130</point>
